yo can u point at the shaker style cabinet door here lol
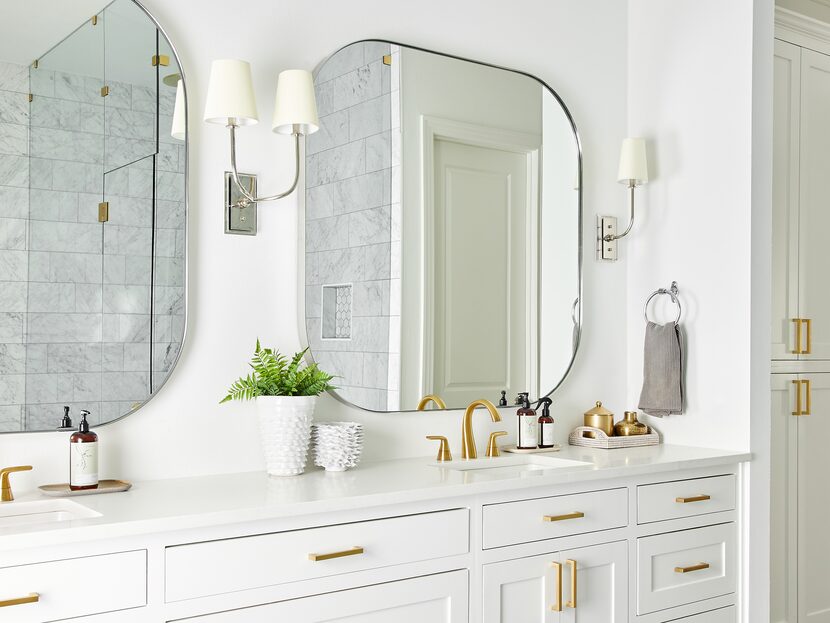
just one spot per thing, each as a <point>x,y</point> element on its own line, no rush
<point>785,190</point>
<point>440,598</point>
<point>599,592</point>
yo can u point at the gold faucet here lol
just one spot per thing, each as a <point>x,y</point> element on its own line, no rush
<point>4,480</point>
<point>468,442</point>
<point>431,398</point>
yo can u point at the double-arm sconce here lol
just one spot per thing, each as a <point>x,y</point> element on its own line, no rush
<point>633,172</point>
<point>231,102</point>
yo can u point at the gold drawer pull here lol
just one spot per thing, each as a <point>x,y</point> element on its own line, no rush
<point>346,552</point>
<point>575,515</point>
<point>698,567</point>
<point>32,598</point>
<point>557,607</point>
<point>797,350</point>
<point>696,498</point>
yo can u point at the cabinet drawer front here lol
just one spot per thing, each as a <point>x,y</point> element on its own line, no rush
<point>685,498</point>
<point>724,615</point>
<point>511,523</point>
<point>215,567</point>
<point>75,587</point>
<point>683,567</point>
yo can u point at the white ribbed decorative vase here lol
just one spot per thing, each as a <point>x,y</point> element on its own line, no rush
<point>285,427</point>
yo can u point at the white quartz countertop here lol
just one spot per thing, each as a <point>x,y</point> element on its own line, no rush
<point>188,503</point>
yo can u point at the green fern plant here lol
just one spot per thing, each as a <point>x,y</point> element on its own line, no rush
<point>274,374</point>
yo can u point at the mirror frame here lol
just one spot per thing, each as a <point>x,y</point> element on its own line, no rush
<point>301,221</point>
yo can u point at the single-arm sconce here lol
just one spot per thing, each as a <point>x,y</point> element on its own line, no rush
<point>633,172</point>
<point>231,102</point>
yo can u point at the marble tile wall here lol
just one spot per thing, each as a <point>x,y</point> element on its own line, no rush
<point>349,220</point>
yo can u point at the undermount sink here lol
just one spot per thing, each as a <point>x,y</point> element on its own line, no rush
<point>513,463</point>
<point>24,514</point>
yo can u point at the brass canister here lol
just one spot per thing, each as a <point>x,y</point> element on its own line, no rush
<point>601,418</point>
<point>630,426</point>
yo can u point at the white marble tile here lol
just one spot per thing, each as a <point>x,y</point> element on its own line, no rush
<point>370,334</point>
<point>169,271</point>
<point>119,152</point>
<point>112,356</point>
<point>339,63</point>
<point>88,297</point>
<point>41,388</point>
<point>77,176</point>
<point>377,261</point>
<point>164,356</point>
<point>359,85</point>
<point>166,99</point>
<point>162,328</point>
<point>14,77</point>
<point>126,299</point>
<point>324,93</point>
<point>379,151</point>
<point>52,113</point>
<point>347,367</point>
<point>14,265</point>
<point>170,214</point>
<point>12,389</point>
<point>143,99</point>
<point>133,327</point>
<point>132,211</point>
<point>334,131</point>
<point>48,328</point>
<point>91,118</point>
<point>374,51</point>
<point>371,226</point>
<point>165,243</point>
<point>337,266</point>
<point>127,386</point>
<point>127,240</point>
<point>65,237</point>
<point>39,266</point>
<point>13,296</point>
<point>40,172</point>
<point>138,270</point>
<point>13,234</point>
<point>376,370</point>
<point>11,418</point>
<point>367,298</point>
<point>170,186</point>
<point>86,387</point>
<point>129,123</point>
<point>359,193</point>
<point>313,301</point>
<point>67,145</point>
<point>168,157</point>
<point>169,300</point>
<point>327,233</point>
<point>14,108</point>
<point>369,117</point>
<point>14,202</point>
<point>136,357</point>
<point>64,358</point>
<point>12,359</point>
<point>14,139</point>
<point>115,269</point>
<point>77,88</point>
<point>318,202</point>
<point>52,205</point>
<point>75,267</point>
<point>336,164</point>
<point>14,171</point>
<point>36,359</point>
<point>42,82</point>
<point>11,327</point>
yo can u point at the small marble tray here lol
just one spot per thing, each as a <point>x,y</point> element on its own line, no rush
<point>104,486</point>
<point>515,450</point>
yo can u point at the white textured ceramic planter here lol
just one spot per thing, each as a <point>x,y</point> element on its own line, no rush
<point>285,428</point>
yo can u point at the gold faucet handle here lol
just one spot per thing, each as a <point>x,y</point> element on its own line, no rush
<point>4,480</point>
<point>493,444</point>
<point>444,453</point>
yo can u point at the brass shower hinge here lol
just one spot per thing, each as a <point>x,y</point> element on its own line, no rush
<point>35,64</point>
<point>103,211</point>
<point>31,97</point>
<point>160,59</point>
<point>387,59</point>
<point>105,91</point>
<point>94,20</point>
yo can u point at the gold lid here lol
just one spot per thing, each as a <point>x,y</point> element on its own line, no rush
<point>598,410</point>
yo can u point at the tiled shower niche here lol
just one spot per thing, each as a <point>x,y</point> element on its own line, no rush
<point>91,312</point>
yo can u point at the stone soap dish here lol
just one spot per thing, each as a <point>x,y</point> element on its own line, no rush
<point>515,450</point>
<point>104,486</point>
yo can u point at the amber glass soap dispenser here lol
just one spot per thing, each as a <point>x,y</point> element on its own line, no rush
<point>83,457</point>
<point>545,423</point>
<point>527,435</point>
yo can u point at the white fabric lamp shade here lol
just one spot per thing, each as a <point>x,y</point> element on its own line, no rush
<point>295,107</point>
<point>633,162</point>
<point>179,127</point>
<point>230,97</point>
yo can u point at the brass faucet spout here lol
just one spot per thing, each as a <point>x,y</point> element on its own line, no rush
<point>431,398</point>
<point>5,485</point>
<point>468,442</point>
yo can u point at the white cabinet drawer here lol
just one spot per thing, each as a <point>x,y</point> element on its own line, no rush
<point>686,566</point>
<point>724,615</point>
<point>511,523</point>
<point>215,567</point>
<point>685,498</point>
<point>75,587</point>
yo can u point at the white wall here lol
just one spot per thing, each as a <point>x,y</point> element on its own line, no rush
<point>241,287</point>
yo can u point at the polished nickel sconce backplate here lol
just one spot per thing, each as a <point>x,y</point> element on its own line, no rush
<point>240,219</point>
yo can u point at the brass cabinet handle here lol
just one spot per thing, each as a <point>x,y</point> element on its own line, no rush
<point>572,602</point>
<point>797,398</point>
<point>31,598</point>
<point>809,348</point>
<point>557,567</point>
<point>574,515</point>
<point>797,350</point>
<point>698,567</point>
<point>808,395</point>
<point>696,498</point>
<point>354,551</point>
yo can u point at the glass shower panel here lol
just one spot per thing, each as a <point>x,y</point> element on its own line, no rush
<point>127,305</point>
<point>63,317</point>
<point>131,72</point>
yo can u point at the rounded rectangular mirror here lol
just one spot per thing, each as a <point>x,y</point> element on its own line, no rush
<point>92,211</point>
<point>442,230</point>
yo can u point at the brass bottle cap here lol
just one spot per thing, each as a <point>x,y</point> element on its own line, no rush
<point>598,410</point>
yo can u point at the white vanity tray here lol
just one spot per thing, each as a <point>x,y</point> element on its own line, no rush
<point>601,440</point>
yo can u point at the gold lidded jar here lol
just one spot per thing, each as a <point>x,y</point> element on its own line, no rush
<point>601,418</point>
<point>630,426</point>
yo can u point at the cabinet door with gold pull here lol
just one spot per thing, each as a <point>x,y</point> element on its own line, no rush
<point>595,584</point>
<point>530,590</point>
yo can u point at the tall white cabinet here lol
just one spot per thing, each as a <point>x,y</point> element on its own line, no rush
<point>800,548</point>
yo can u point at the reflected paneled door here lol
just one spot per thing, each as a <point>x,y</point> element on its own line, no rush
<point>440,598</point>
<point>527,590</point>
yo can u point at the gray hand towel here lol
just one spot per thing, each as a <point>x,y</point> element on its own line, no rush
<point>662,392</point>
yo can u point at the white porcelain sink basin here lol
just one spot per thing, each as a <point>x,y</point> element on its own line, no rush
<point>14,514</point>
<point>513,463</point>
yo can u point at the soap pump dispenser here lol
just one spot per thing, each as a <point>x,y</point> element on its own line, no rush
<point>527,435</point>
<point>83,457</point>
<point>66,421</point>
<point>545,423</point>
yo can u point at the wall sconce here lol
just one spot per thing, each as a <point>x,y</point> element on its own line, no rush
<point>633,172</point>
<point>231,102</point>
<point>178,129</point>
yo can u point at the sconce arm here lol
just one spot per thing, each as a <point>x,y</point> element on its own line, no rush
<point>609,237</point>
<point>248,198</point>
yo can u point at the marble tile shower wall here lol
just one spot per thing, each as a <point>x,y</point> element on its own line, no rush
<point>351,237</point>
<point>86,315</point>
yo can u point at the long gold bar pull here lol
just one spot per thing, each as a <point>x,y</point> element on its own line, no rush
<point>797,398</point>
<point>354,551</point>
<point>31,598</point>
<point>797,349</point>
<point>572,602</point>
<point>808,397</point>
<point>696,498</point>
<point>809,348</point>
<point>698,567</point>
<point>574,515</point>
<point>557,606</point>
